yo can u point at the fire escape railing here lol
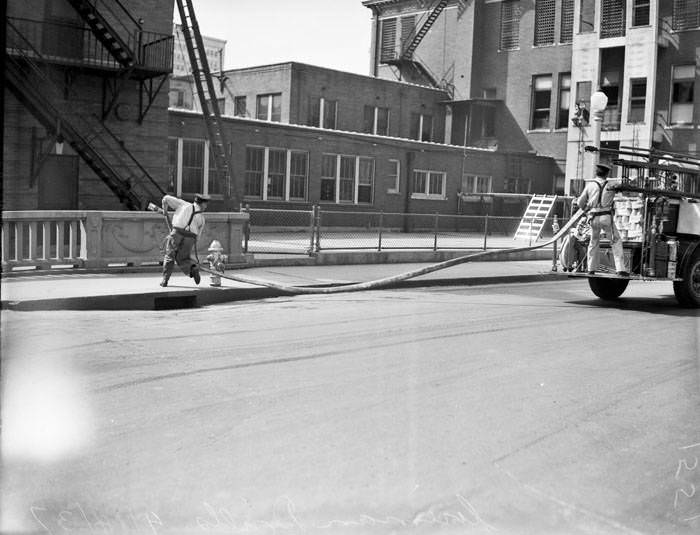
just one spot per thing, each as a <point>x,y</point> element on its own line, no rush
<point>73,44</point>
<point>93,142</point>
<point>418,33</point>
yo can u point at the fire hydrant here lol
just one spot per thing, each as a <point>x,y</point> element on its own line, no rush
<point>217,261</point>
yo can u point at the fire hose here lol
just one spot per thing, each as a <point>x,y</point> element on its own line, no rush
<point>387,281</point>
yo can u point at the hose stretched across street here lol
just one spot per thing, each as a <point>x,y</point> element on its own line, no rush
<point>387,281</point>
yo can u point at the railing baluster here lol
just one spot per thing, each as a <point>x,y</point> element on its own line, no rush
<point>60,232</point>
<point>72,240</point>
<point>31,253</point>
<point>5,240</point>
<point>19,239</point>
<point>46,240</point>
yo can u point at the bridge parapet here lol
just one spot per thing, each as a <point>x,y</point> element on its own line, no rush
<point>45,239</point>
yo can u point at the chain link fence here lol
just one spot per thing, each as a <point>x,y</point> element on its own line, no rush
<point>307,232</point>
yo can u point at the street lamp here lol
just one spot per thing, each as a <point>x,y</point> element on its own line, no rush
<point>599,101</point>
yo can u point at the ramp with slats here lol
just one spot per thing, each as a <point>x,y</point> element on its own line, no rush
<point>537,212</point>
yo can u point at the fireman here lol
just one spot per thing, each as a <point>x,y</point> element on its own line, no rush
<point>187,226</point>
<point>597,201</point>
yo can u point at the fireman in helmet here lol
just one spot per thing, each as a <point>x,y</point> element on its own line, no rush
<point>187,225</point>
<point>597,201</point>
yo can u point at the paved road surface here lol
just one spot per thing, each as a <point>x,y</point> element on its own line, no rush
<point>517,409</point>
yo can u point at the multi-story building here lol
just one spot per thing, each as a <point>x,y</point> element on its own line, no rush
<point>520,72</point>
<point>84,113</point>
<point>303,134</point>
<point>182,91</point>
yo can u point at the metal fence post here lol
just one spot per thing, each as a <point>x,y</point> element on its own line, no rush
<point>246,229</point>
<point>318,228</point>
<point>381,225</point>
<point>435,232</point>
<point>312,230</point>
<point>486,229</point>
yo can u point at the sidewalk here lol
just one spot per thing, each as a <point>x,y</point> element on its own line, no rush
<point>141,291</point>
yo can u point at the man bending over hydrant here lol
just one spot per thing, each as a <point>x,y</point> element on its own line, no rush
<point>187,226</point>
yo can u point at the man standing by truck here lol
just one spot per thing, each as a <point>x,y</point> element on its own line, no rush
<point>597,201</point>
<point>187,225</point>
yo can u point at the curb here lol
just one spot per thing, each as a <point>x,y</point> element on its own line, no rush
<point>159,300</point>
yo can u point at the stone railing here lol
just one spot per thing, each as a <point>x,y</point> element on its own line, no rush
<point>102,239</point>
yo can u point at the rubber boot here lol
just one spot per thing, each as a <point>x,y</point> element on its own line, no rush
<point>194,273</point>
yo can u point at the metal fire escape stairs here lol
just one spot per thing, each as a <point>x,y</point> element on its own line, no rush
<point>110,38</point>
<point>208,102</point>
<point>91,139</point>
<point>406,62</point>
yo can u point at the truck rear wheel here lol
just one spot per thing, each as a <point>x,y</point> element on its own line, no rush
<point>608,289</point>
<point>688,290</point>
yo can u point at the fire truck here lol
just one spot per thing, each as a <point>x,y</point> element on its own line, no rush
<point>657,213</point>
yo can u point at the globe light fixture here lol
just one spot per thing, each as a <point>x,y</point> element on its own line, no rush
<point>599,101</point>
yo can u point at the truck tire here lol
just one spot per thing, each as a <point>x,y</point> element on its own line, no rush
<point>607,289</point>
<point>688,290</point>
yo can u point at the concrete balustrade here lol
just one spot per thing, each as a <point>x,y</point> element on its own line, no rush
<point>101,239</point>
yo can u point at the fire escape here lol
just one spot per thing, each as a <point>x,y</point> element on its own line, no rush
<point>409,66</point>
<point>42,58</point>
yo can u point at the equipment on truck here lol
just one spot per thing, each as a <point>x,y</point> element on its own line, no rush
<point>657,212</point>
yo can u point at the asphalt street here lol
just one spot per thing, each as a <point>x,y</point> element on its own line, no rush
<point>521,408</point>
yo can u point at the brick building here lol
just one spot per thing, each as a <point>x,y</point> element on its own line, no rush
<point>85,103</point>
<point>302,134</point>
<point>517,69</point>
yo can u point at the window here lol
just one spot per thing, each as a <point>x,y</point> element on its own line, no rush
<point>541,99</point>
<point>545,11</point>
<point>517,185</point>
<point>298,174</point>
<point>192,166</point>
<point>328,174</point>
<point>254,171</point>
<point>220,103</point>
<point>388,49</point>
<point>323,113</point>
<point>408,27</point>
<point>269,107</point>
<point>566,31</point>
<point>394,176</point>
<point>347,179</point>
<point>583,103</point>
<point>510,24</point>
<point>476,184</point>
<point>240,108</point>
<point>180,98</point>
<point>587,16</point>
<point>640,12</point>
<point>428,184</point>
<point>376,120</point>
<point>365,180</point>
<point>612,87</point>
<point>276,174</point>
<point>638,100</point>
<point>612,18</point>
<point>564,100</point>
<point>421,127</point>
<point>346,189</point>
<point>682,94</point>
<point>686,14</point>
<point>216,178</point>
